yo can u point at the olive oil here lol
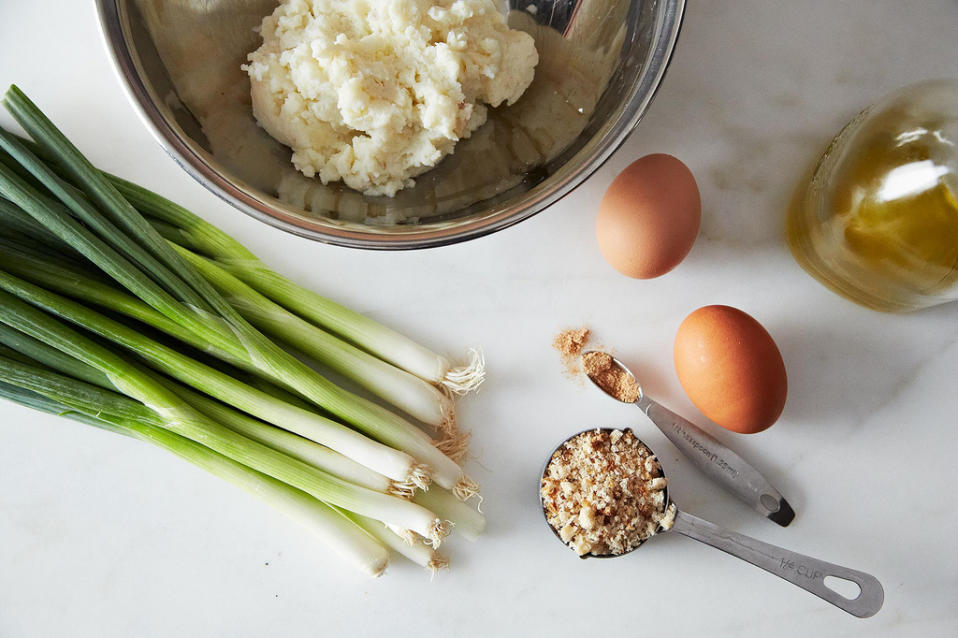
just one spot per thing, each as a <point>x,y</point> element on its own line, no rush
<point>878,221</point>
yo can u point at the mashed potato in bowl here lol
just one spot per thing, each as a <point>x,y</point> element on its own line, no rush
<point>375,92</point>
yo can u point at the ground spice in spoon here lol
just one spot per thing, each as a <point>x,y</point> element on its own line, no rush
<point>600,367</point>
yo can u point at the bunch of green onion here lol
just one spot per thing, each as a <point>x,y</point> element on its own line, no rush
<point>123,310</point>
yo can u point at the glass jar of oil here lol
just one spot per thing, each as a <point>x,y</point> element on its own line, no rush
<point>878,220</point>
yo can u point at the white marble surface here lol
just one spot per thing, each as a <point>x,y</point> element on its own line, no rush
<point>100,536</point>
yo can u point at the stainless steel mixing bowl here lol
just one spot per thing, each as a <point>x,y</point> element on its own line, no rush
<point>600,64</point>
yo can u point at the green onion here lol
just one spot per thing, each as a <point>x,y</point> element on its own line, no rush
<point>16,220</point>
<point>420,553</point>
<point>119,211</point>
<point>77,395</point>
<point>86,212</point>
<point>266,356</point>
<point>385,460</point>
<point>292,444</point>
<point>345,538</point>
<point>39,352</point>
<point>70,280</point>
<point>385,343</point>
<point>182,419</point>
<point>400,388</point>
<point>175,235</point>
<point>465,519</point>
<point>33,400</point>
<point>67,227</point>
<point>56,220</point>
<point>399,467</point>
<point>399,433</point>
<point>295,446</point>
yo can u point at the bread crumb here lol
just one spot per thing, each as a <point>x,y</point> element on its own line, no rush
<point>603,493</point>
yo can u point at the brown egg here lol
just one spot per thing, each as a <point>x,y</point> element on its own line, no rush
<point>649,217</point>
<point>730,368</point>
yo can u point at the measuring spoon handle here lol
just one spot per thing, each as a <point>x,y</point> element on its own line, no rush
<point>720,463</point>
<point>806,572</point>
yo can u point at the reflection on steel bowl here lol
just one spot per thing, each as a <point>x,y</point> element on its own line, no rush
<point>600,62</point>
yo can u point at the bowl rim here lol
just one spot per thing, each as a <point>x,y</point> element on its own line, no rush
<point>418,236</point>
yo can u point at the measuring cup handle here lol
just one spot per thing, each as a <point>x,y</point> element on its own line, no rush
<point>806,572</point>
<point>720,463</point>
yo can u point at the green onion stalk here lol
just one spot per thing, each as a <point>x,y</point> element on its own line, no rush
<point>74,280</point>
<point>407,392</point>
<point>295,446</point>
<point>22,348</point>
<point>385,343</point>
<point>180,418</point>
<point>22,262</point>
<point>194,296</point>
<point>464,518</point>
<point>392,463</point>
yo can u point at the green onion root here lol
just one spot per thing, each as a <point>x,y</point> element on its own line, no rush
<point>465,519</point>
<point>418,552</point>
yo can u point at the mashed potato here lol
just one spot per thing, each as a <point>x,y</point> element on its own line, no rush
<point>375,92</point>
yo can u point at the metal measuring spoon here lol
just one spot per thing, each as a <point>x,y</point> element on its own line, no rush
<point>710,456</point>
<point>804,571</point>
